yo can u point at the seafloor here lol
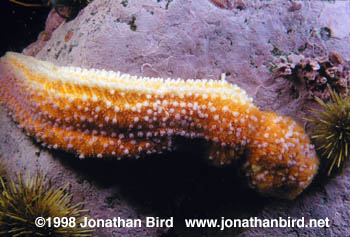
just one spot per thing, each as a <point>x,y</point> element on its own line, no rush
<point>190,39</point>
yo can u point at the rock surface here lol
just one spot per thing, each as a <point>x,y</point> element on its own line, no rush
<point>191,39</point>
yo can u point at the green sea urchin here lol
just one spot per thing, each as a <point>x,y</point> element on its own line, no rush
<point>331,134</point>
<point>22,202</point>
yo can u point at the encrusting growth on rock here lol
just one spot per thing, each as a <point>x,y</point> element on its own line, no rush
<point>316,73</point>
<point>103,114</point>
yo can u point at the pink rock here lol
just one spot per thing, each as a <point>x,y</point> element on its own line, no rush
<point>189,39</point>
<point>52,23</point>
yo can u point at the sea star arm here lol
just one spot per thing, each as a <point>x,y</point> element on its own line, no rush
<point>100,113</point>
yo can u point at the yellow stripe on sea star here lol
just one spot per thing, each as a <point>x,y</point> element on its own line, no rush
<point>100,113</point>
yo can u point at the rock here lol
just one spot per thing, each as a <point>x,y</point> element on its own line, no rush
<point>191,39</point>
<point>52,22</point>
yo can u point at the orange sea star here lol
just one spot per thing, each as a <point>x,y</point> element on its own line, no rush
<point>100,113</point>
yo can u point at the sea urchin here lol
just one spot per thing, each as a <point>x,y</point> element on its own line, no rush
<point>22,202</point>
<point>331,133</point>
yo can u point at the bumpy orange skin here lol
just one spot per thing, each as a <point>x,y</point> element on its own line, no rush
<point>283,164</point>
<point>99,113</point>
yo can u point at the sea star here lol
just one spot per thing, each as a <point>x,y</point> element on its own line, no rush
<point>100,113</point>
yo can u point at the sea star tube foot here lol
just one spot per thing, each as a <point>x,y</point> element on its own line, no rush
<point>102,114</point>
